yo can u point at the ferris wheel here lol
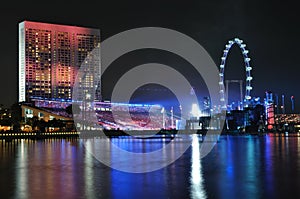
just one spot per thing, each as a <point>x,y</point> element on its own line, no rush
<point>248,69</point>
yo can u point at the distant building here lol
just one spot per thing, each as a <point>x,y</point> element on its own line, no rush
<point>206,106</point>
<point>50,56</point>
<point>270,111</point>
<point>41,113</point>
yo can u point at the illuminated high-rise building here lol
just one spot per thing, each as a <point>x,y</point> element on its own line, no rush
<point>50,56</point>
<point>269,107</point>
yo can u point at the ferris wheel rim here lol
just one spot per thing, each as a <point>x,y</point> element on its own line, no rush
<point>248,69</point>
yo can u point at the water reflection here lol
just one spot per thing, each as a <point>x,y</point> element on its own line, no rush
<point>89,175</point>
<point>197,189</point>
<point>268,167</point>
<point>22,171</point>
<point>137,155</point>
<point>237,167</point>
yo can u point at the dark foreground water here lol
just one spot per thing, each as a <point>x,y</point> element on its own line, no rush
<point>237,167</point>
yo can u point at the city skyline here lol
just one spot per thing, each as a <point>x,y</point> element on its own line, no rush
<point>166,118</point>
<point>266,27</point>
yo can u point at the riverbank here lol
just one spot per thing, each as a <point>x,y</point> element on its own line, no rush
<point>8,136</point>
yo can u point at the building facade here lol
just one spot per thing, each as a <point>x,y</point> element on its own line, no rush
<point>270,112</point>
<point>50,56</point>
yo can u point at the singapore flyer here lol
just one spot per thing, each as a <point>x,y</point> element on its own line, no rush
<point>248,69</point>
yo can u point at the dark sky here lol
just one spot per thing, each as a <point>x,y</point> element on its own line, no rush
<point>270,29</point>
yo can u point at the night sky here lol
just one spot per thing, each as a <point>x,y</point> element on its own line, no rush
<point>269,28</point>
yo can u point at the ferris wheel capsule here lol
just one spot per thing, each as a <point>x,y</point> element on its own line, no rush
<point>249,78</point>
<point>245,52</point>
<point>248,68</point>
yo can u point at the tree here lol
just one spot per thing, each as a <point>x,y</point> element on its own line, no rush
<point>35,122</point>
<point>41,124</point>
<point>16,116</point>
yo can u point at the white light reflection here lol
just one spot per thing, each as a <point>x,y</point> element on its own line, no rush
<point>89,172</point>
<point>197,189</point>
<point>22,170</point>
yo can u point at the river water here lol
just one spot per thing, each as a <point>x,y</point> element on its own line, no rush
<point>237,167</point>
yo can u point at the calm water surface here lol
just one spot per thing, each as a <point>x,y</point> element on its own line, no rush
<point>237,167</point>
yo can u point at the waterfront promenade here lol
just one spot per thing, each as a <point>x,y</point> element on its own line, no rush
<point>8,136</point>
